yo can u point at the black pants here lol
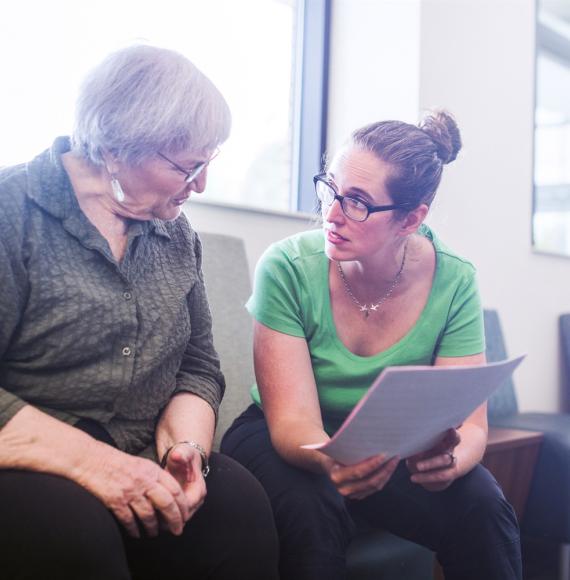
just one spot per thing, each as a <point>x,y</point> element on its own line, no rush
<point>470,526</point>
<point>53,529</point>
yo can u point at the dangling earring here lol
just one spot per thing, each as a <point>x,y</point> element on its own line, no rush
<point>117,189</point>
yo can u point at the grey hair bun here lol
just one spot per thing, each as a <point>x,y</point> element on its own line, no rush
<point>444,132</point>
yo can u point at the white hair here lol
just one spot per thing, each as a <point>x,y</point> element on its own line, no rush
<point>144,99</point>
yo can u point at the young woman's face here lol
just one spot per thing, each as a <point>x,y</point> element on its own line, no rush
<point>157,188</point>
<point>360,174</point>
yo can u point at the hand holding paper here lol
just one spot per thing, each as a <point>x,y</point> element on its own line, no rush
<point>408,409</point>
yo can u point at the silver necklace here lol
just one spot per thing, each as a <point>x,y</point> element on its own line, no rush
<point>373,307</point>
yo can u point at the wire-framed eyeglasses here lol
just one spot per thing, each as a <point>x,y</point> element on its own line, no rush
<point>352,207</point>
<point>190,174</point>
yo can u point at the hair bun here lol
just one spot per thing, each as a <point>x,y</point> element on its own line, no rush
<point>444,132</point>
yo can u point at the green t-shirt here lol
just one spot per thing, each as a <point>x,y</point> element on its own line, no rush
<point>291,295</point>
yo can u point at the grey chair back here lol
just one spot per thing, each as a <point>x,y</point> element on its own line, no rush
<point>226,274</point>
<point>503,402</point>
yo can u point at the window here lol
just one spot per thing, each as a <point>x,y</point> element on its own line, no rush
<point>268,58</point>
<point>551,217</point>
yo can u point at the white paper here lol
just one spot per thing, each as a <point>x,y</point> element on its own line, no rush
<point>408,409</point>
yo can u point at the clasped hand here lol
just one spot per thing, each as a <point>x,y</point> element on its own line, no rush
<point>137,490</point>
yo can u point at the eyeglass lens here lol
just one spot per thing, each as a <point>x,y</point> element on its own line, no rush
<point>351,207</point>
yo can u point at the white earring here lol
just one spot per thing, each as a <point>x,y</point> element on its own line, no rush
<point>117,189</point>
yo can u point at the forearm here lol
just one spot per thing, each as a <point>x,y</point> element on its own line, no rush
<point>472,447</point>
<point>32,440</point>
<point>187,417</point>
<point>288,436</point>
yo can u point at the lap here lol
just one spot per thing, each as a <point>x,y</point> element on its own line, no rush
<point>429,518</point>
<point>48,520</point>
<point>402,507</point>
<point>51,524</point>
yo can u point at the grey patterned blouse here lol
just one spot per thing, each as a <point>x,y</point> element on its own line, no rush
<point>82,336</point>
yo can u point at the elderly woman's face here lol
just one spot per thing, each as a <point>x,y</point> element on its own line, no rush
<point>158,188</point>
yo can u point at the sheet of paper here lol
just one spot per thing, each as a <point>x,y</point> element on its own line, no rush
<point>408,409</point>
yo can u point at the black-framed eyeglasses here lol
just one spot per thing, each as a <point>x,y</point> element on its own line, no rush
<point>352,207</point>
<point>192,174</point>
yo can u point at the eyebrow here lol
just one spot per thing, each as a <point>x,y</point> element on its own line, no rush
<point>355,190</point>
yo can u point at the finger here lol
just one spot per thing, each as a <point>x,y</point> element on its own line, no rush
<point>452,439</point>
<point>164,502</point>
<point>373,483</point>
<point>381,478</point>
<point>127,519</point>
<point>437,476</point>
<point>196,494</point>
<point>443,461</point>
<point>343,474</point>
<point>171,484</point>
<point>145,513</point>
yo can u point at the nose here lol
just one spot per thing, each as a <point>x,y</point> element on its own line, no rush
<point>199,184</point>
<point>333,213</point>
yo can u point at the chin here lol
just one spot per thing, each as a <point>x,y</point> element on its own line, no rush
<point>333,253</point>
<point>168,214</point>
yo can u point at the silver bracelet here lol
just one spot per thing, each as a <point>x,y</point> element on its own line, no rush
<point>198,447</point>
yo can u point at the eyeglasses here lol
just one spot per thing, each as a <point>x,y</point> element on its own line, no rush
<point>194,173</point>
<point>352,207</point>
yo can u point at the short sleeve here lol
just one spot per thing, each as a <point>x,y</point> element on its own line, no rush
<point>276,300</point>
<point>464,332</point>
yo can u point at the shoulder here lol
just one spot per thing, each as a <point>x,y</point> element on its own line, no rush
<point>297,250</point>
<point>13,200</point>
<point>449,263</point>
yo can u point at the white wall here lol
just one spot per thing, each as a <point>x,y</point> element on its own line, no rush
<point>367,82</point>
<point>374,73</point>
<point>475,57</point>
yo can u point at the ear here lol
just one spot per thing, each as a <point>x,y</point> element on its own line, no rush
<point>111,164</point>
<point>414,220</point>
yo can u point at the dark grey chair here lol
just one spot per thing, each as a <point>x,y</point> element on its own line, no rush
<point>547,513</point>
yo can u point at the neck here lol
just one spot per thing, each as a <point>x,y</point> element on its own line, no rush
<point>371,305</point>
<point>91,185</point>
<point>377,271</point>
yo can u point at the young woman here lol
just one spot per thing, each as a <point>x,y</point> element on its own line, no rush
<point>375,287</point>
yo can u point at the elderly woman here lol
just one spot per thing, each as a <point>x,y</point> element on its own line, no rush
<point>374,288</point>
<point>106,356</point>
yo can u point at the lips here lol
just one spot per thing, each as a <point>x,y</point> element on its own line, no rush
<point>180,200</point>
<point>334,237</point>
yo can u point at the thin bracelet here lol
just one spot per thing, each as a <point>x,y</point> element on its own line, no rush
<point>198,447</point>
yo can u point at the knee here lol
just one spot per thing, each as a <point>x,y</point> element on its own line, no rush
<point>239,502</point>
<point>56,526</point>
<point>492,516</point>
<point>487,513</point>
<point>313,517</point>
